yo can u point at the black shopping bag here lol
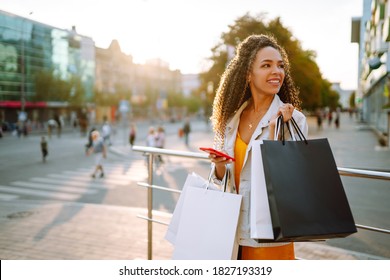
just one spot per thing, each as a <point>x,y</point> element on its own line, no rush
<point>306,196</point>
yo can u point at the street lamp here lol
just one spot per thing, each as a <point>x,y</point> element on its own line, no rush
<point>22,70</point>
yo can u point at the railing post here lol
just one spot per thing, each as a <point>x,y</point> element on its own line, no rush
<point>150,205</point>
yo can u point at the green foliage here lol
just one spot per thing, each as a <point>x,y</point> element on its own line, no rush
<point>50,87</point>
<point>193,104</point>
<point>76,92</point>
<point>314,90</point>
<point>175,99</point>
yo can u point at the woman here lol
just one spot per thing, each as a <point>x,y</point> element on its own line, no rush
<point>254,90</point>
<point>99,149</point>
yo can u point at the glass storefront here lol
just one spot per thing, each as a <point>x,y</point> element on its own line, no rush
<point>33,54</point>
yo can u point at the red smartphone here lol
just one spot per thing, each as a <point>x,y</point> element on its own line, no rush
<point>216,152</point>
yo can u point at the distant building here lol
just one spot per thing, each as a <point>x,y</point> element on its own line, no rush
<point>372,32</point>
<point>114,69</point>
<point>190,82</point>
<point>344,95</point>
<point>28,48</point>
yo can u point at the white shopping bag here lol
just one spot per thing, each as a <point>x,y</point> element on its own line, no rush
<point>193,180</point>
<point>260,215</point>
<point>208,225</point>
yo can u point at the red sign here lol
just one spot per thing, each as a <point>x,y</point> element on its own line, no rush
<point>18,104</point>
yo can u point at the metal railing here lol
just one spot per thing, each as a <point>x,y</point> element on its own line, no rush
<point>152,152</point>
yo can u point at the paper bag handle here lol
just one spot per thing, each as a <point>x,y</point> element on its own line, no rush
<point>224,179</point>
<point>291,125</point>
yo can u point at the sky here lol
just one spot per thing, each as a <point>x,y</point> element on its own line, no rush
<point>182,32</point>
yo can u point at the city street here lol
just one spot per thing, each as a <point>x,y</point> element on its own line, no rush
<point>65,177</point>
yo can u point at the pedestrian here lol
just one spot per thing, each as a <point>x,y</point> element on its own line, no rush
<point>90,140</point>
<point>319,115</point>
<point>106,131</point>
<point>51,124</point>
<point>160,141</point>
<point>337,118</point>
<point>151,137</point>
<point>186,131</point>
<point>150,140</point>
<point>330,117</point>
<point>254,90</point>
<point>132,134</point>
<point>58,120</point>
<point>44,148</point>
<point>99,149</point>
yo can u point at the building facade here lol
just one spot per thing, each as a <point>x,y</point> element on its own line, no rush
<point>372,33</point>
<point>30,51</point>
<point>126,88</point>
<point>46,71</point>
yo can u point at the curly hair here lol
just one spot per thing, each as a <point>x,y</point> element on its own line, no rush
<point>233,89</point>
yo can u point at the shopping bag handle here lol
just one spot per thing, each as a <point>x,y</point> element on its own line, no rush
<point>293,123</point>
<point>224,179</point>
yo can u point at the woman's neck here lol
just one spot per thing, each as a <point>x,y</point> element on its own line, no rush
<point>260,104</point>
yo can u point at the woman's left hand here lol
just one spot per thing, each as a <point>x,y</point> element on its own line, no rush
<point>286,110</point>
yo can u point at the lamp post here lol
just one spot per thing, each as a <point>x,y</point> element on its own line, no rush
<point>22,70</point>
<point>22,93</point>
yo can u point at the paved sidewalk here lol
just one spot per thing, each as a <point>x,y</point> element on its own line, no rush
<point>74,231</point>
<point>37,230</point>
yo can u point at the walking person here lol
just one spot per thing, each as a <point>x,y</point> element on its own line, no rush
<point>106,131</point>
<point>100,151</point>
<point>90,140</point>
<point>186,131</point>
<point>58,120</point>
<point>151,137</point>
<point>132,134</point>
<point>254,90</point>
<point>160,141</point>
<point>44,148</point>
<point>319,115</point>
<point>330,117</point>
<point>337,119</point>
<point>51,125</point>
<point>150,141</point>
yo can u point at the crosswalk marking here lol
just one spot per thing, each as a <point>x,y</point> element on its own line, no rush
<point>121,182</point>
<point>135,174</point>
<point>47,194</point>
<point>60,187</point>
<point>4,196</point>
<point>71,182</point>
<point>70,185</point>
<point>82,178</point>
<point>111,171</point>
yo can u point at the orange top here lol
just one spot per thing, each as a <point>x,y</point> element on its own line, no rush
<point>239,155</point>
<point>283,252</point>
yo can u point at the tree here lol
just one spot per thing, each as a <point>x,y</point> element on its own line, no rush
<point>304,70</point>
<point>43,85</point>
<point>76,92</point>
<point>352,103</point>
<point>49,87</point>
